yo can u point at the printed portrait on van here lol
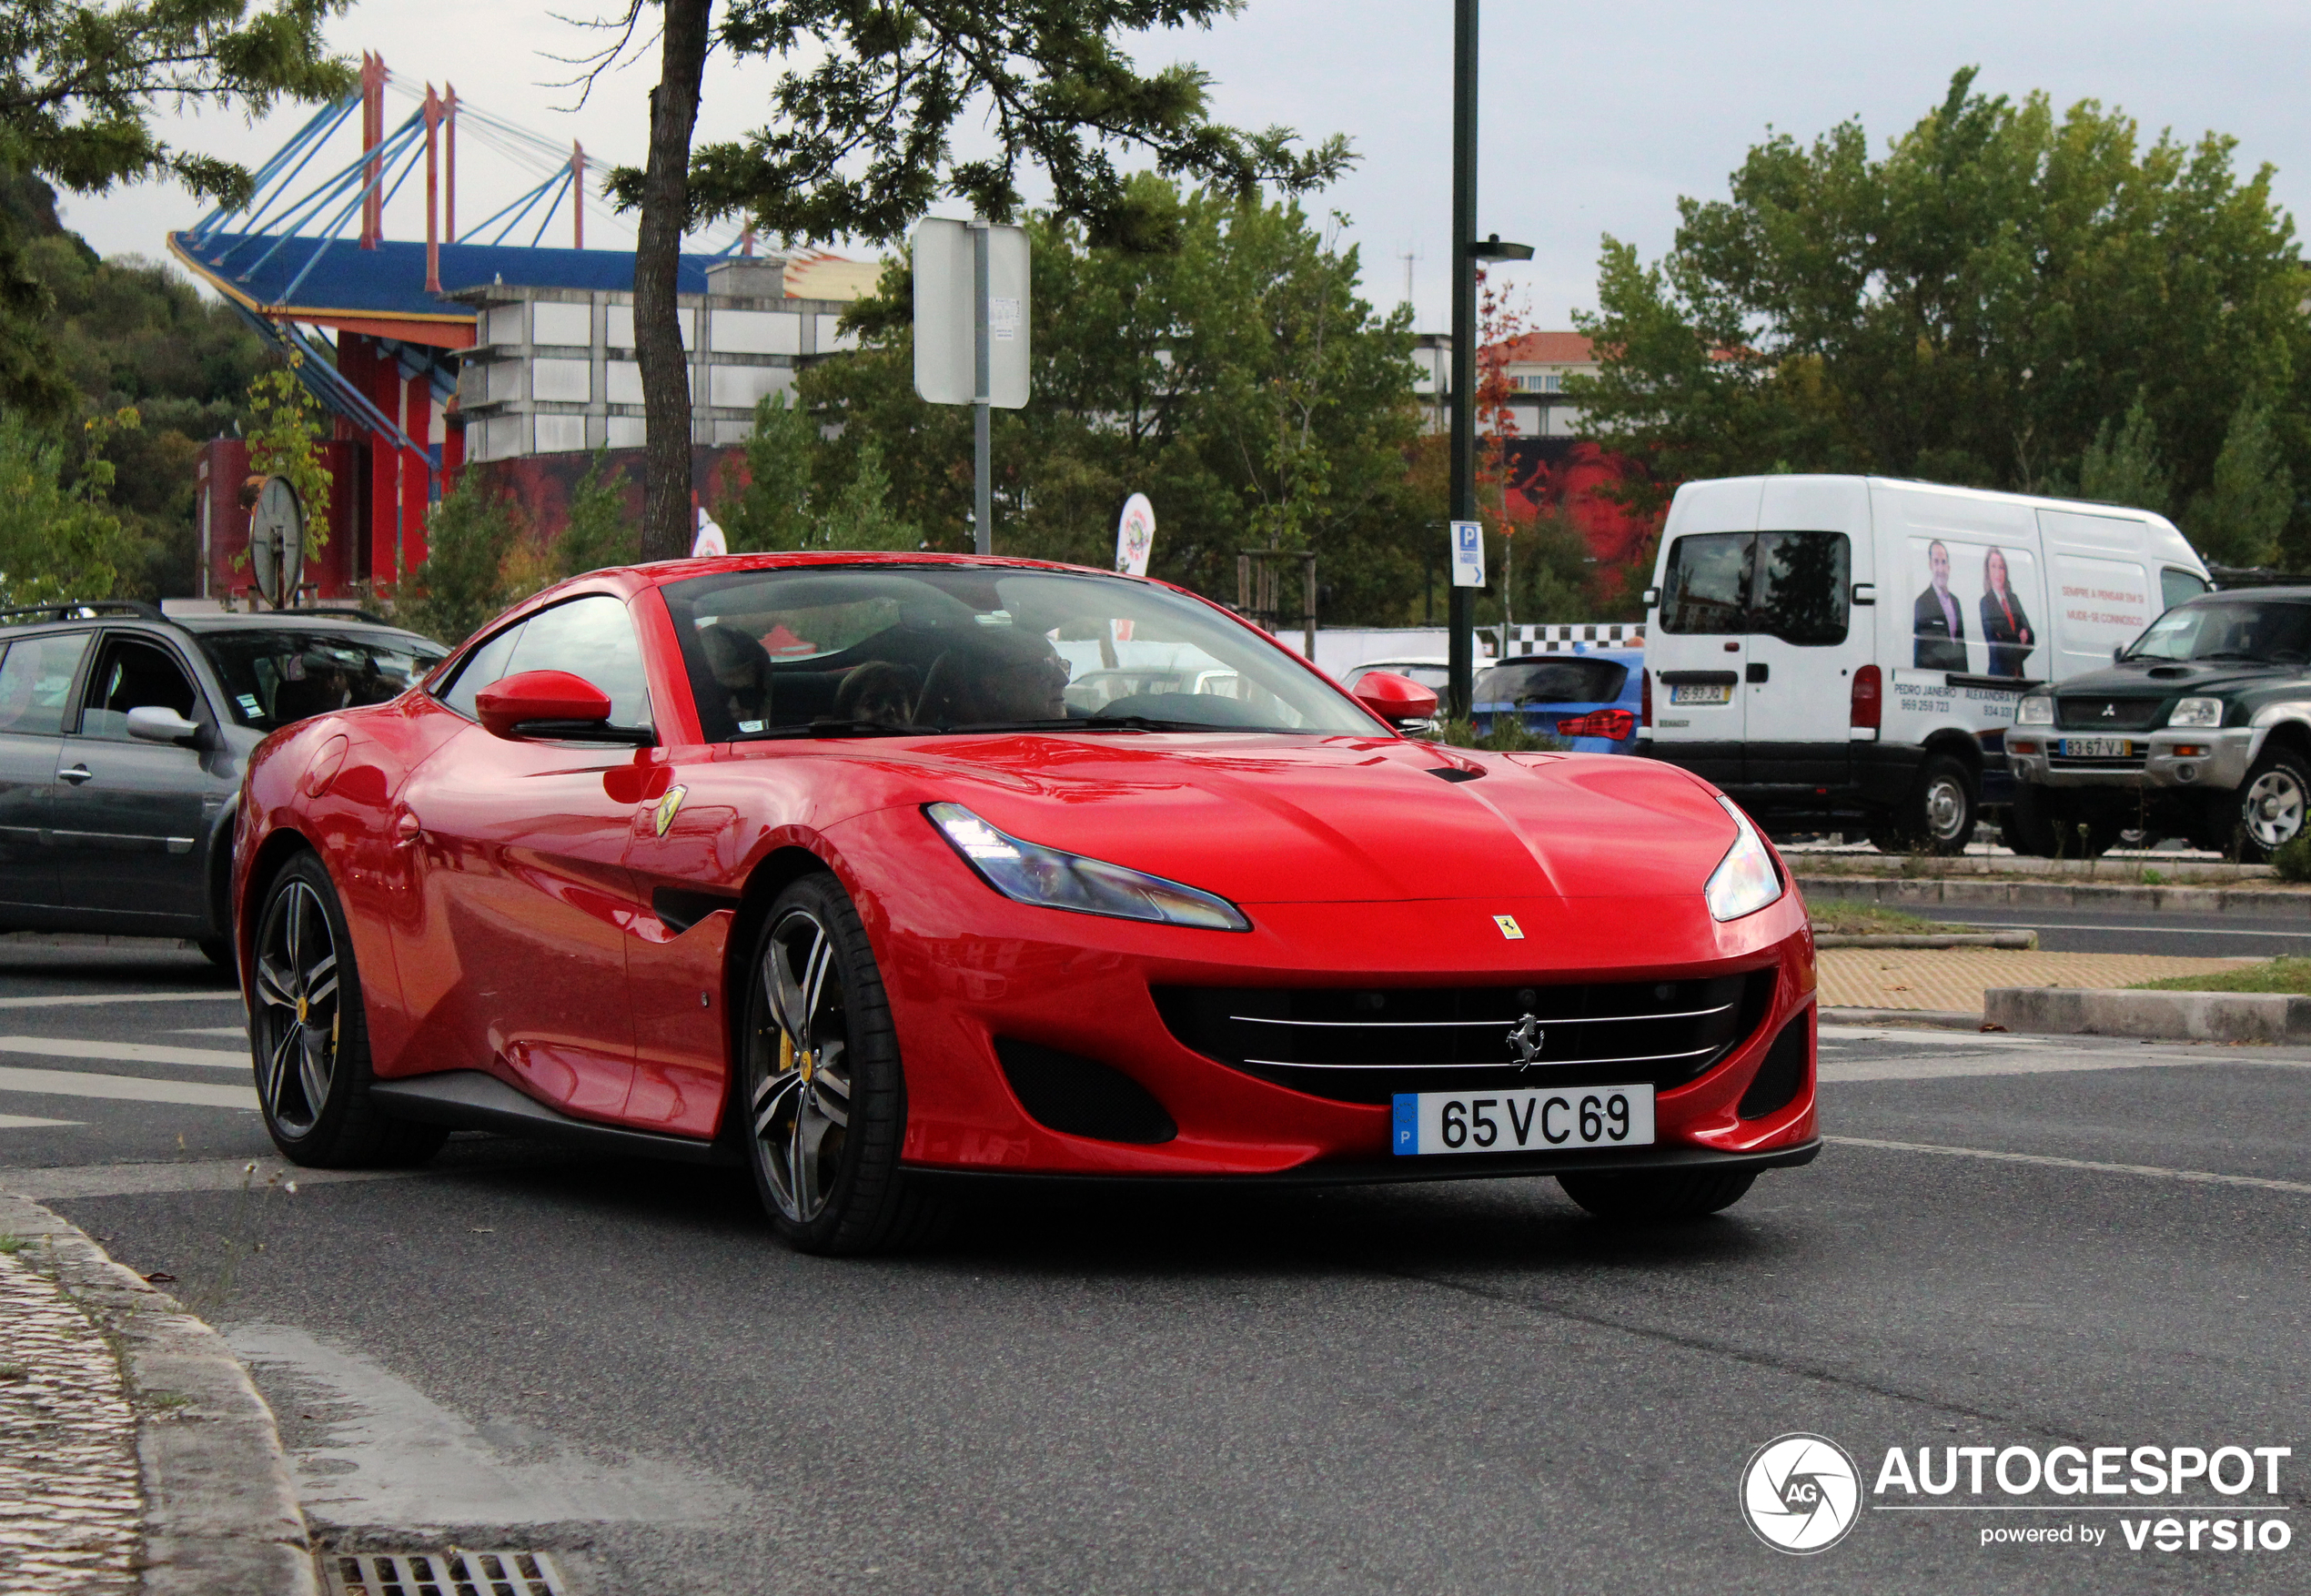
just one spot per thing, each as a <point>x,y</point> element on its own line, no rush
<point>2005,622</point>
<point>1939,622</point>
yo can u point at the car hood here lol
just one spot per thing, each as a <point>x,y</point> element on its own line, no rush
<point>1269,820</point>
<point>2173,678</point>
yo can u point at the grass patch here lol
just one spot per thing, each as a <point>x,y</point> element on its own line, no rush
<point>2292,976</point>
<point>10,1244</point>
<point>1843,917</point>
<point>1508,736</point>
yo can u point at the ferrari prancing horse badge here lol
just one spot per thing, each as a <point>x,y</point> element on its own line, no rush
<point>668,806</point>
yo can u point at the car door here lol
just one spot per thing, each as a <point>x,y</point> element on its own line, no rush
<point>127,817</point>
<point>514,954</point>
<point>1799,660</point>
<point>37,679</point>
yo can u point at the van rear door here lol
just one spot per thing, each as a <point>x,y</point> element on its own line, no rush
<point>1695,655</point>
<point>1812,546</point>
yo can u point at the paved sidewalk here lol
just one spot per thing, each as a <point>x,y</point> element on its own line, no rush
<point>70,1502</point>
<point>1954,979</point>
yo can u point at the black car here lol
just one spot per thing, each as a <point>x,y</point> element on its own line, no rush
<point>2201,729</point>
<point>123,736</point>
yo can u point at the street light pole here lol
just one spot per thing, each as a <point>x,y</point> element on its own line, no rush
<point>1462,616</point>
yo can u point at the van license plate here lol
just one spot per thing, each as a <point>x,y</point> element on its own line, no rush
<point>1701,692</point>
<point>2096,748</point>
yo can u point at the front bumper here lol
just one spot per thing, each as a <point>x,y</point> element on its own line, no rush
<point>963,967</point>
<point>2180,759</point>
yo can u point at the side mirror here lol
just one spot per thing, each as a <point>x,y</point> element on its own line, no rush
<point>1865,592</point>
<point>551,704</point>
<point>152,724</point>
<point>1394,699</point>
<point>2118,653</point>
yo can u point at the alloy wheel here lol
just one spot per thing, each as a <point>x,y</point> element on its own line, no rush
<point>799,1071</point>
<point>298,1017</point>
<point>2273,808</point>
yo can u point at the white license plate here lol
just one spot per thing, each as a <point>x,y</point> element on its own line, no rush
<point>2096,748</point>
<point>1524,1119</point>
<point>1701,693</point>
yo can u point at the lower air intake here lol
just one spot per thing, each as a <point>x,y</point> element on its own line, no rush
<point>1082,1096</point>
<point>1783,1074</point>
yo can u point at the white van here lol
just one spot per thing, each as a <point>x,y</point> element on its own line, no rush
<point>1844,653</point>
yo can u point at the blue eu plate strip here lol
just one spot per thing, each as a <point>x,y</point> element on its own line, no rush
<point>1407,1131</point>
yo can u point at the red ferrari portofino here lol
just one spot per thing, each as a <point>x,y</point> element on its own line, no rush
<point>859,869</point>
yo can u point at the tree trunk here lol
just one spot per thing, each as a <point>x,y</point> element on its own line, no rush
<point>658,334</point>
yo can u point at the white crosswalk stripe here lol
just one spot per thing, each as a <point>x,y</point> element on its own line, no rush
<point>74,1083</point>
<point>124,1052</point>
<point>101,1000</point>
<point>27,1122</point>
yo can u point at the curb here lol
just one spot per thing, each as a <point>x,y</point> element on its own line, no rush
<point>1884,867</point>
<point>1944,1019</point>
<point>220,1512</point>
<point>2043,894</point>
<point>2024,940</point>
<point>2173,1016</point>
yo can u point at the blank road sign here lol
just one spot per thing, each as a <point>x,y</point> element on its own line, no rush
<point>944,315</point>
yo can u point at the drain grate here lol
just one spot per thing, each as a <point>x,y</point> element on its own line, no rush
<point>442,1573</point>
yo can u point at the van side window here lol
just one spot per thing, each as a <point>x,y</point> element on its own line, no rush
<point>1798,592</point>
<point>1706,587</point>
<point>1789,585</point>
<point>2175,586</point>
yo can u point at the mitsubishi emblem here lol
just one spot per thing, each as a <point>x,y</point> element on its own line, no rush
<point>1525,1041</point>
<point>2109,709</point>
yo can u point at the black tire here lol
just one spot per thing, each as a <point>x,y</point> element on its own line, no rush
<point>2028,827</point>
<point>2270,809</point>
<point>1938,814</point>
<point>1658,1194</point>
<point>822,1092</point>
<point>313,1087</point>
<point>218,951</point>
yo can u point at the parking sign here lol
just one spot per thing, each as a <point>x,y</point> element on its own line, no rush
<point>1468,554</point>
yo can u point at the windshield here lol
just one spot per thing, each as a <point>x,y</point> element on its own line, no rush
<point>2260,630</point>
<point>1555,681</point>
<point>273,678</point>
<point>967,648</point>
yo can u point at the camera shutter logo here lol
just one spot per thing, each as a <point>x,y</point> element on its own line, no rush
<point>1801,1493</point>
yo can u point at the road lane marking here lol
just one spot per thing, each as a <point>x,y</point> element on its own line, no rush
<point>2154,1171</point>
<point>100,1180</point>
<point>25,1122</point>
<point>97,1000</point>
<point>124,1052</point>
<point>2161,930</point>
<point>77,1083</point>
<point>240,1031</point>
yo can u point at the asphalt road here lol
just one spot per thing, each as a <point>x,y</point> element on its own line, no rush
<point>1435,1388</point>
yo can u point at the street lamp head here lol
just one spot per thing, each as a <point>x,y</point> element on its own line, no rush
<point>1492,249</point>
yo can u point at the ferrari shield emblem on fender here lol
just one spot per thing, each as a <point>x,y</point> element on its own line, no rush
<point>668,806</point>
<point>1509,927</point>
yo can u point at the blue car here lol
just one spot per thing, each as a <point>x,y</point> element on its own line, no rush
<point>1589,697</point>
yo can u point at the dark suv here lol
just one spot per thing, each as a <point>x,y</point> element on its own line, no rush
<point>2201,729</point>
<point>123,736</point>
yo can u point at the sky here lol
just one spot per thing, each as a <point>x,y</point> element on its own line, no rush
<point>1593,120</point>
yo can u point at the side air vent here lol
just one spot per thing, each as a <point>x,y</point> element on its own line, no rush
<point>1082,1096</point>
<point>1781,1077</point>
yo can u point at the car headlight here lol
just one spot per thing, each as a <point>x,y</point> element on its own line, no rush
<point>1745,880</point>
<point>2197,712</point>
<point>1028,872</point>
<point>2037,710</point>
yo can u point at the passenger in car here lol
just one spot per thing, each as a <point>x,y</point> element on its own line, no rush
<point>741,668</point>
<point>879,693</point>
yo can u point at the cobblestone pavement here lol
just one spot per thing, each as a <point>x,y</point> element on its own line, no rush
<point>69,1499</point>
<point>1955,978</point>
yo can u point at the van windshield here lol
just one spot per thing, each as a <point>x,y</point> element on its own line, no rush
<point>1788,585</point>
<point>2260,631</point>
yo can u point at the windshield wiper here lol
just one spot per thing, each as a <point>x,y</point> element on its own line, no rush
<point>833,728</point>
<point>1102,723</point>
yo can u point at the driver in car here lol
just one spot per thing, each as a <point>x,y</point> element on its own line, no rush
<point>1003,673</point>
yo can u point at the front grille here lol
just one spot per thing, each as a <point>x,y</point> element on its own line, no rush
<point>2096,713</point>
<point>1365,1045</point>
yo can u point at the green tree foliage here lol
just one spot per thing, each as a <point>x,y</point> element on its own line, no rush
<point>59,540</point>
<point>79,81</point>
<point>2122,467</point>
<point>601,533</point>
<point>1963,308</point>
<point>2237,519</point>
<point>1237,381</point>
<point>283,441</point>
<point>798,497</point>
<point>473,566</point>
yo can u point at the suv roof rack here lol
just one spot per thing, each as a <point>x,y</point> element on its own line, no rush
<point>79,609</point>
